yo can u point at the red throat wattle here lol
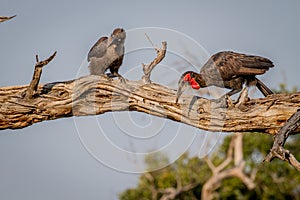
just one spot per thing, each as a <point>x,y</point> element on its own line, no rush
<point>187,78</point>
<point>194,84</point>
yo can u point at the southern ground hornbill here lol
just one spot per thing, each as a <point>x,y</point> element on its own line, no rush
<point>108,53</point>
<point>229,70</point>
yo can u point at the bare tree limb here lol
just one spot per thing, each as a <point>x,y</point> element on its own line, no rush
<point>223,171</point>
<point>4,18</point>
<point>216,169</point>
<point>172,193</point>
<point>37,75</point>
<point>168,193</point>
<point>277,150</point>
<point>94,95</point>
<point>154,190</point>
<point>161,52</point>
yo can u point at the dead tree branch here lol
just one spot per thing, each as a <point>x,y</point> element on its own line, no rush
<point>172,193</point>
<point>168,193</point>
<point>154,190</point>
<point>37,75</point>
<point>94,95</point>
<point>161,52</point>
<point>4,18</point>
<point>277,150</point>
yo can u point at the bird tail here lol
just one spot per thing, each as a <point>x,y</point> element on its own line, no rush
<point>263,88</point>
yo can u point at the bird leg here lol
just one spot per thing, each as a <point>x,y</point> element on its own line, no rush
<point>233,91</point>
<point>243,97</point>
<point>226,97</point>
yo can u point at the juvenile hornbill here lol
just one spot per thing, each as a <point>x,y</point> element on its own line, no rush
<point>229,70</point>
<point>108,53</point>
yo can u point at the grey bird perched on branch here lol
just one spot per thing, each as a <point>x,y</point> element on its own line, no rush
<point>108,53</point>
<point>229,70</point>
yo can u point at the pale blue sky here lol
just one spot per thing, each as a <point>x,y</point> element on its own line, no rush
<point>47,160</point>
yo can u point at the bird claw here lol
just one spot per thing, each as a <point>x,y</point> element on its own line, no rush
<point>111,76</point>
<point>122,80</point>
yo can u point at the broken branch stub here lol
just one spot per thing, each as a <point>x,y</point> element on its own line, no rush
<point>161,53</point>
<point>4,18</point>
<point>32,88</point>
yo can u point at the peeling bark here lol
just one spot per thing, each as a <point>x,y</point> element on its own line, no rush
<point>95,95</point>
<point>278,151</point>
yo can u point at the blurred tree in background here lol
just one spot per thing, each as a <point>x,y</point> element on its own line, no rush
<point>275,180</point>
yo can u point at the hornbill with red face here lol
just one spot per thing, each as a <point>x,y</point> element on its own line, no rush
<point>108,53</point>
<point>229,70</point>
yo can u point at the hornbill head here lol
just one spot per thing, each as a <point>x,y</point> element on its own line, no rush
<point>117,37</point>
<point>187,78</point>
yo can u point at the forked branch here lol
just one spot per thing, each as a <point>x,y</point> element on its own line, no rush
<point>224,170</point>
<point>37,75</point>
<point>277,150</point>
<point>161,52</point>
<point>4,18</point>
<point>95,95</point>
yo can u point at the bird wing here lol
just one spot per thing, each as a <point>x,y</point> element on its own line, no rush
<point>229,65</point>
<point>99,49</point>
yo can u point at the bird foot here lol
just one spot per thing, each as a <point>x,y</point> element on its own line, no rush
<point>111,76</point>
<point>122,80</point>
<point>105,77</point>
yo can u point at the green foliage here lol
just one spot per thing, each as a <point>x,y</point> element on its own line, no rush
<point>155,161</point>
<point>283,89</point>
<point>275,180</point>
<point>189,170</point>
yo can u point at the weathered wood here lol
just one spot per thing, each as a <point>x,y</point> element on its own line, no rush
<point>277,151</point>
<point>4,18</point>
<point>37,75</point>
<point>161,53</point>
<point>94,95</point>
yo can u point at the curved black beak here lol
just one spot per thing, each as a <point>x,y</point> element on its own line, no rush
<point>181,86</point>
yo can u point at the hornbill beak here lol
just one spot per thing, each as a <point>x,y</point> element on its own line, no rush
<point>181,86</point>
